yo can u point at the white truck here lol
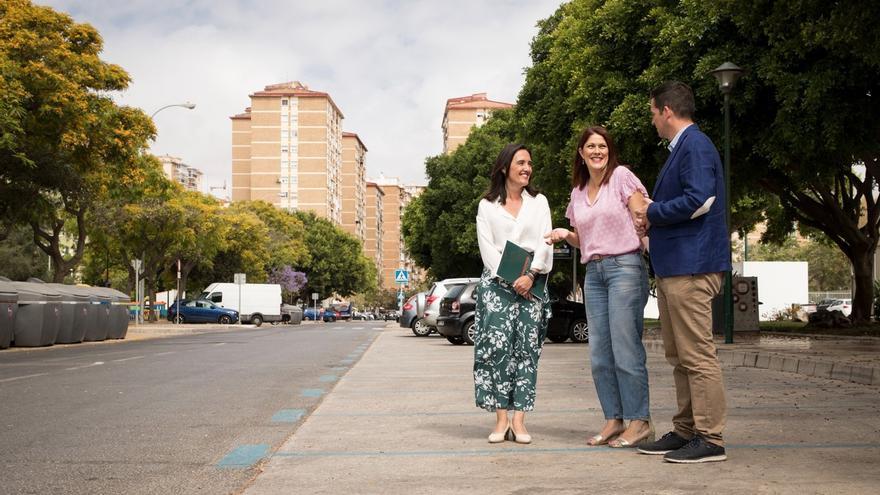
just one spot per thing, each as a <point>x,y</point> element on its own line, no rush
<point>259,302</point>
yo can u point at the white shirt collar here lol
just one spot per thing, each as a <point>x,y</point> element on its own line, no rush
<point>677,137</point>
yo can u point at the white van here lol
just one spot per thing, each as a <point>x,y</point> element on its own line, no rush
<point>259,302</point>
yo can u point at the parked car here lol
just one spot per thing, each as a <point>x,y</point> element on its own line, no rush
<point>391,315</point>
<point>200,311</point>
<point>569,321</point>
<point>343,310</point>
<point>842,305</point>
<point>313,314</point>
<point>258,302</point>
<point>410,318</point>
<point>432,300</point>
<point>456,314</point>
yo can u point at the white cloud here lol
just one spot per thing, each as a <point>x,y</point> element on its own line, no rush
<point>388,65</point>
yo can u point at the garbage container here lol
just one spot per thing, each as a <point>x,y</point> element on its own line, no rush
<point>38,316</point>
<point>82,314</point>
<point>72,302</point>
<point>100,321</point>
<point>8,308</point>
<point>119,302</point>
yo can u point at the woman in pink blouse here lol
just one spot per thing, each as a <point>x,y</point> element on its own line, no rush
<point>615,285</point>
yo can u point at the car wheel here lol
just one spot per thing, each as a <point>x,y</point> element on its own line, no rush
<point>557,338</point>
<point>180,319</point>
<point>420,328</point>
<point>256,320</point>
<point>455,340</point>
<point>469,333</point>
<point>225,320</point>
<point>580,331</point>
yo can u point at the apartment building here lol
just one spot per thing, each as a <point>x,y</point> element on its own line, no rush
<point>190,177</point>
<point>354,185</point>
<point>394,201</point>
<point>462,114</point>
<point>373,225</point>
<point>287,150</point>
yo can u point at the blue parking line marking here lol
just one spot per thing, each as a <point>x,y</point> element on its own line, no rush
<point>346,361</point>
<point>312,392</point>
<point>288,415</point>
<point>327,378</point>
<point>243,457</point>
<point>339,368</point>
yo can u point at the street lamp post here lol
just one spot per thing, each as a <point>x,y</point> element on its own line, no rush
<point>188,105</point>
<point>727,74</point>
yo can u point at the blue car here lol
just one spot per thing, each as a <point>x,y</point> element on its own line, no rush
<point>321,314</point>
<point>201,311</point>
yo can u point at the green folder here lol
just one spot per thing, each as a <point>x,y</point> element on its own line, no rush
<point>515,262</point>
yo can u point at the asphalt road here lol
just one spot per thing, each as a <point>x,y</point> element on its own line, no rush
<point>188,414</point>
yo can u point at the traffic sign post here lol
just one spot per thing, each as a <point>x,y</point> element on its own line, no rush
<point>239,279</point>
<point>315,296</point>
<point>401,278</point>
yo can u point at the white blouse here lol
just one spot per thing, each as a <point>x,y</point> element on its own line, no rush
<point>495,226</point>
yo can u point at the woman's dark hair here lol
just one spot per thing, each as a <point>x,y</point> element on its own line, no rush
<point>498,177</point>
<point>580,175</point>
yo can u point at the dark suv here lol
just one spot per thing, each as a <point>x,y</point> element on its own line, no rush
<point>455,320</point>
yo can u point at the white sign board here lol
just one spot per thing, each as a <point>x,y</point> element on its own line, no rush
<point>239,278</point>
<point>314,296</point>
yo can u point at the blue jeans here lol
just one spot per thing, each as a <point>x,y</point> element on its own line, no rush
<point>616,291</point>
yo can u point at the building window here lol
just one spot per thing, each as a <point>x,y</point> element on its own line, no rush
<point>284,102</point>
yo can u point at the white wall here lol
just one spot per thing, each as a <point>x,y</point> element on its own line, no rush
<point>780,283</point>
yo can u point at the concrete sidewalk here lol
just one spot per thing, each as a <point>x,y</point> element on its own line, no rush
<point>402,420</point>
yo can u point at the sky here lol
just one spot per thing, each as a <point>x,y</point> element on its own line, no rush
<point>389,66</point>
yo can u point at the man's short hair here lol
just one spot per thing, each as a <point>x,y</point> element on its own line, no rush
<point>676,95</point>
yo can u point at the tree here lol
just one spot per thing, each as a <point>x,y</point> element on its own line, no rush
<point>61,135</point>
<point>291,281</point>
<point>337,264</point>
<point>20,258</point>
<point>803,115</point>
<point>286,233</point>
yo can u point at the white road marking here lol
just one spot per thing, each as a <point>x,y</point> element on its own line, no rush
<point>127,359</point>
<point>96,363</point>
<point>22,377</point>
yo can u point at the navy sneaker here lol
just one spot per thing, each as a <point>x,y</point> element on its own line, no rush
<point>667,443</point>
<point>697,450</point>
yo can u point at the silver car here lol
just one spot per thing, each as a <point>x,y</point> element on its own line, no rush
<point>412,314</point>
<point>432,302</point>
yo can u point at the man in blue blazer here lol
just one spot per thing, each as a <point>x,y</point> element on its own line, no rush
<point>690,250</point>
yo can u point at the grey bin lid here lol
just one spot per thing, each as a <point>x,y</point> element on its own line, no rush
<point>98,294</point>
<point>73,293</point>
<point>31,293</point>
<point>8,292</point>
<point>51,293</point>
<point>113,294</point>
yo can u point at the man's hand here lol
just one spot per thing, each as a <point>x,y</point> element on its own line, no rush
<point>556,235</point>
<point>640,218</point>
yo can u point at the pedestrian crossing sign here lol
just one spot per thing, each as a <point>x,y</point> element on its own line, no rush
<point>401,276</point>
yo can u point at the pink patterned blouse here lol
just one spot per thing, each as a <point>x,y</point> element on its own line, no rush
<point>605,227</point>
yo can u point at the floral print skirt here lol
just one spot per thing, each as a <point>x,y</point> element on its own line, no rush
<point>510,332</point>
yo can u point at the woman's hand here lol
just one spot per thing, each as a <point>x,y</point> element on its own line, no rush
<point>556,235</point>
<point>523,285</point>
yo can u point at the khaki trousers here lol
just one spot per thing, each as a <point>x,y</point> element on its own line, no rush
<point>685,304</point>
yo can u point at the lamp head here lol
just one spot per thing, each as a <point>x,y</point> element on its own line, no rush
<point>727,75</point>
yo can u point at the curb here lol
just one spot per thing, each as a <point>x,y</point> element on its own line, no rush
<point>865,375</point>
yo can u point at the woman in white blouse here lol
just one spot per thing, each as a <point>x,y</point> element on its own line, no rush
<point>510,322</point>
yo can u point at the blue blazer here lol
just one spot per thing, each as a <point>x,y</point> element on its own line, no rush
<point>688,233</point>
